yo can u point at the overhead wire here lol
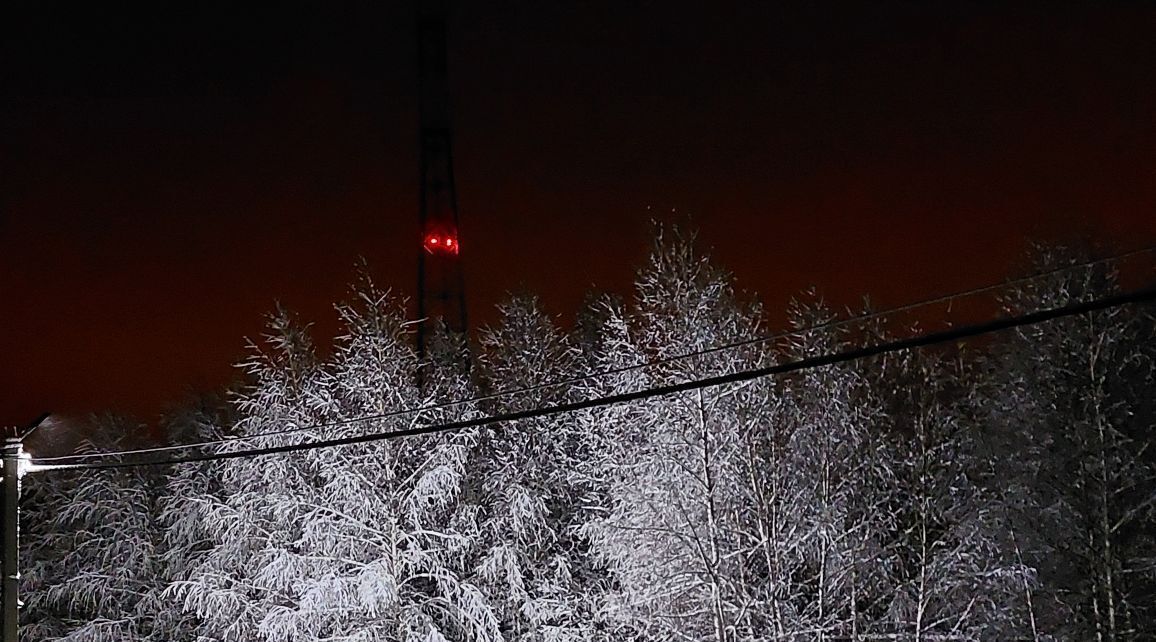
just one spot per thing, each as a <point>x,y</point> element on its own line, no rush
<point>928,339</point>
<point>622,369</point>
<point>829,325</point>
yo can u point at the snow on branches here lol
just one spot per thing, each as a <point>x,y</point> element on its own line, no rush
<point>1003,491</point>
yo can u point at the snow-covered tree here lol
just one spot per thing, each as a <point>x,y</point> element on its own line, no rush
<point>1000,490</point>
<point>92,549</point>
<point>358,543</point>
<point>951,580</point>
<point>674,537</point>
<point>528,494</point>
<point>819,476</point>
<point>185,539</point>
<point>1074,407</point>
<point>248,522</point>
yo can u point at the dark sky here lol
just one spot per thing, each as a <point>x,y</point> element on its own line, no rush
<point>168,173</point>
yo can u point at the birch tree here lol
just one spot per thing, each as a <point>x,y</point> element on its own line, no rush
<point>951,580</point>
<point>822,493</point>
<point>528,494</point>
<point>674,537</point>
<point>1077,409</point>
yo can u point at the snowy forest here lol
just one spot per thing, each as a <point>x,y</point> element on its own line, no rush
<point>1002,488</point>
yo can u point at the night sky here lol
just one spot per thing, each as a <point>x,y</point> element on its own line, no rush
<point>167,174</point>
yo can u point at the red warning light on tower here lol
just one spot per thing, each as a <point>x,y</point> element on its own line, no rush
<point>441,243</point>
<point>440,286</point>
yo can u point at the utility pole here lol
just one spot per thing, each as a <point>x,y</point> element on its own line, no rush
<point>12,451</point>
<point>12,458</point>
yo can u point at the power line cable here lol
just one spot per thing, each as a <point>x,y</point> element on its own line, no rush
<point>934,338</point>
<point>829,325</point>
<point>767,338</point>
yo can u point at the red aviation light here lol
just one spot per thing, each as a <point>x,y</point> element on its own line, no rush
<point>441,245</point>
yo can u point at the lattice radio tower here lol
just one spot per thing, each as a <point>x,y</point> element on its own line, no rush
<point>440,284</point>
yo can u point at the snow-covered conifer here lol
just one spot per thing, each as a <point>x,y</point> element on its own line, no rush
<point>338,544</point>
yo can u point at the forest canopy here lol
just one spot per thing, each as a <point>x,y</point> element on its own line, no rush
<point>995,490</point>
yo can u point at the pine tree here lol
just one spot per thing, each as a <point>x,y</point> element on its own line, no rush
<point>610,361</point>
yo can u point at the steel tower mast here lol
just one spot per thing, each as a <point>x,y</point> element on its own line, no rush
<point>440,284</point>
